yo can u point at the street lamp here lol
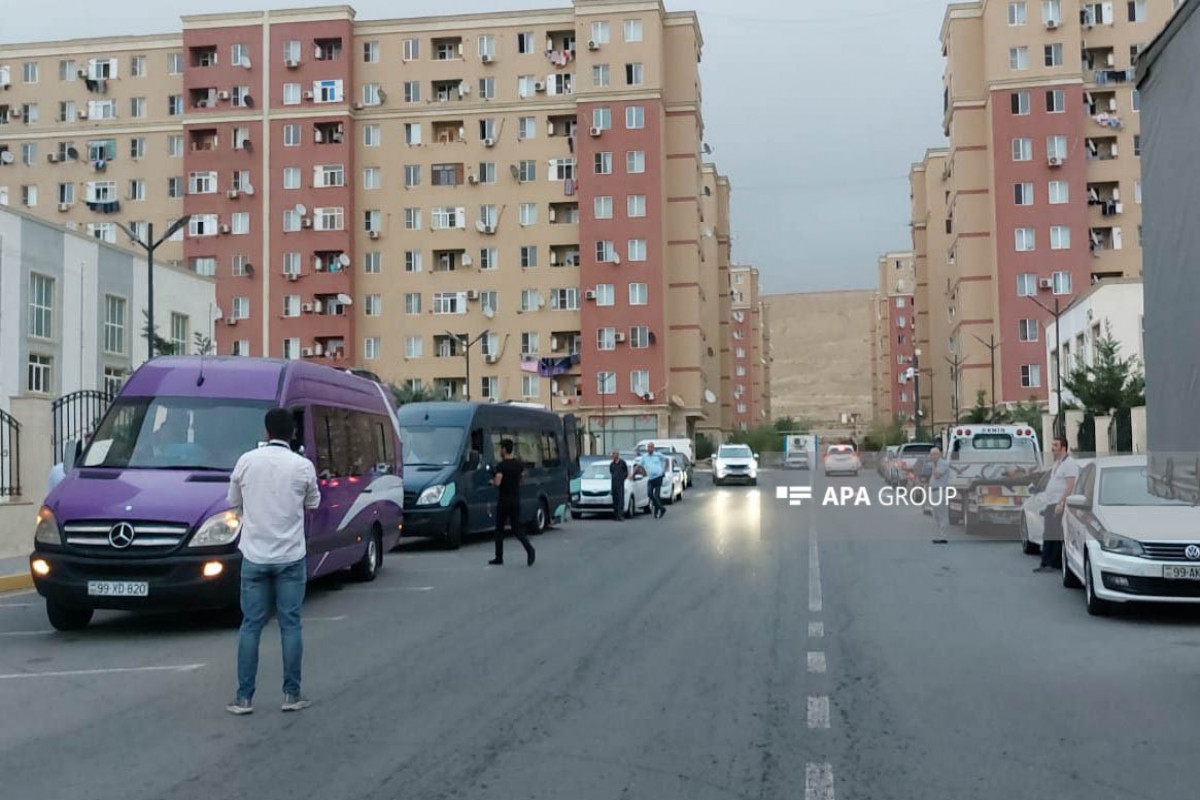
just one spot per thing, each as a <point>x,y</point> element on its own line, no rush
<point>917,394</point>
<point>991,344</point>
<point>955,366</point>
<point>467,342</point>
<point>150,245</point>
<point>1060,428</point>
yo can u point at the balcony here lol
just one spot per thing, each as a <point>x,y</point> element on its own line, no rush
<point>446,346</point>
<point>331,261</point>
<point>330,305</point>
<point>564,213</point>
<point>565,343</point>
<point>203,139</point>
<point>449,132</point>
<point>560,47</point>
<point>446,91</point>
<point>1097,59</point>
<point>447,174</point>
<point>1105,197</point>
<point>1101,106</point>
<point>328,133</point>
<point>205,97</point>
<point>449,388</point>
<point>561,126</point>
<point>205,56</point>
<point>1107,77</point>
<point>1101,148</point>
<point>1104,239</point>
<point>450,260</point>
<point>448,48</point>
<point>329,49</point>
<point>564,255</point>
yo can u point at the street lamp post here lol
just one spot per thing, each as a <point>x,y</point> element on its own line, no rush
<point>917,394</point>
<point>1060,428</point>
<point>150,245</point>
<point>467,343</point>
<point>991,344</point>
<point>955,365</point>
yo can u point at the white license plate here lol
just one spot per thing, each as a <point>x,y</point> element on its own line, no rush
<point>1187,573</point>
<point>118,589</point>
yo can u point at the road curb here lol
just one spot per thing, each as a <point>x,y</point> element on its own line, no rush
<point>11,583</point>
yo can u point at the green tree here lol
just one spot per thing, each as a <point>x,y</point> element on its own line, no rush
<point>204,345</point>
<point>979,413</point>
<point>761,439</point>
<point>704,447</point>
<point>407,394</point>
<point>884,435</point>
<point>1110,383</point>
<point>162,347</point>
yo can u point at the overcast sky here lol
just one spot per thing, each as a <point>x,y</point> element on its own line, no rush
<point>814,111</point>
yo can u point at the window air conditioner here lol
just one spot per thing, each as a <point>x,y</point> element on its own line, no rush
<point>222,95</point>
<point>306,222</point>
<point>306,352</point>
<point>1051,24</point>
<point>491,359</point>
<point>596,131</point>
<point>539,86</point>
<point>1045,283</point>
<point>619,337</point>
<point>472,294</point>
<point>486,58</point>
<point>590,294</point>
<point>1054,161</point>
<point>82,114</point>
<point>372,234</point>
<point>306,308</point>
<point>231,320</point>
<point>233,194</point>
<point>291,63</point>
<point>489,142</point>
<point>292,276</point>
<point>224,229</point>
<point>53,158</point>
<point>64,206</point>
<point>593,45</point>
<point>472,179</point>
<point>308,95</point>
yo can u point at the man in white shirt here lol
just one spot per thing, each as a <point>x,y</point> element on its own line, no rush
<point>271,487</point>
<point>1060,486</point>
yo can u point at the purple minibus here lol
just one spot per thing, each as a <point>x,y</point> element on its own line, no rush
<point>141,521</point>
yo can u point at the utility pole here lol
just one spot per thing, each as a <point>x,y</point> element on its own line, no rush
<point>1060,428</point>
<point>955,367</point>
<point>991,344</point>
<point>467,343</point>
<point>150,245</point>
<point>916,394</point>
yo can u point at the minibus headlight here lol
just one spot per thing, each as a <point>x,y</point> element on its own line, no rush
<point>217,530</point>
<point>47,527</point>
<point>442,493</point>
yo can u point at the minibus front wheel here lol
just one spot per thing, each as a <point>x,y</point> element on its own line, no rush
<point>68,618</point>
<point>454,529</point>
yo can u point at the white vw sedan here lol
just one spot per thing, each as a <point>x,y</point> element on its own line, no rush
<point>1123,544</point>
<point>595,491</point>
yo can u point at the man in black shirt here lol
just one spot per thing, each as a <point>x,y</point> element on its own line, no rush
<point>619,471</point>
<point>508,508</point>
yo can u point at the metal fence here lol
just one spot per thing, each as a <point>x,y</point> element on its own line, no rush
<point>77,414</point>
<point>10,455</point>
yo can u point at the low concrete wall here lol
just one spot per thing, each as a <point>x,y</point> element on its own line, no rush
<point>16,528</point>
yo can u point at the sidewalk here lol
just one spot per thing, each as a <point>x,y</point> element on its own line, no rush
<point>14,574</point>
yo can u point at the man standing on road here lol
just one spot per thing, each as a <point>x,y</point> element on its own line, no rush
<point>508,507</point>
<point>271,487</point>
<point>1060,486</point>
<point>939,482</point>
<point>656,468</point>
<point>619,471</point>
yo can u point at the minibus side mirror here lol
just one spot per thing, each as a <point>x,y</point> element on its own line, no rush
<point>472,461</point>
<point>71,453</point>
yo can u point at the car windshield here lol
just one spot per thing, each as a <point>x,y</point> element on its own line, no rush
<point>734,451</point>
<point>431,445</point>
<point>1126,486</point>
<point>176,433</point>
<point>841,450</point>
<point>916,449</point>
<point>598,469</point>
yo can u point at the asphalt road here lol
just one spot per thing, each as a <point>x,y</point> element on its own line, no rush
<point>708,655</point>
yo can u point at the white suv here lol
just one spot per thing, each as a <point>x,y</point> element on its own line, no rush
<point>735,462</point>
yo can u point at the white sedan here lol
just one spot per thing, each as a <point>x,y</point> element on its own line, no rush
<point>1033,526</point>
<point>673,480</point>
<point>843,459</point>
<point>1123,544</point>
<point>595,492</point>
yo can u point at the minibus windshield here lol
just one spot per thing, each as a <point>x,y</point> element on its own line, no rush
<point>431,445</point>
<point>176,433</point>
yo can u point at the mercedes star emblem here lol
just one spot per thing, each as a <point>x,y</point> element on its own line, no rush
<point>1192,552</point>
<point>121,535</point>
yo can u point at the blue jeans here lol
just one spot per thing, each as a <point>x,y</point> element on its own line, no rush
<point>655,488</point>
<point>264,586</point>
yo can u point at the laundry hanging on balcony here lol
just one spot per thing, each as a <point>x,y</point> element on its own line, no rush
<point>549,367</point>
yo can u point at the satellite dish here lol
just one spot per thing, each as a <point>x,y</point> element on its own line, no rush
<point>246,62</point>
<point>709,397</point>
<point>300,209</point>
<point>466,260</point>
<point>72,152</point>
<point>489,312</point>
<point>382,95</point>
<point>616,259</point>
<point>345,299</point>
<point>344,260</point>
<point>217,313</point>
<point>248,189</point>
<point>6,157</point>
<point>248,101</point>
<point>516,173</point>
<point>480,225</point>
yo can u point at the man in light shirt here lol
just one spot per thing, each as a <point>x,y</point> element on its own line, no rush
<point>656,469</point>
<point>1060,486</point>
<point>271,487</point>
<point>939,480</point>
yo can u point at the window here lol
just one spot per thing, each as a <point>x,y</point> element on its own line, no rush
<point>529,343</point>
<point>1022,149</point>
<point>1031,376</point>
<point>412,175</point>
<point>637,249</point>
<point>29,196</point>
<point>40,374</point>
<point>412,91</point>
<point>41,306</point>
<point>29,72</point>
<point>1025,240</point>
<point>447,217</point>
<point>202,225</point>
<point>635,117</point>
<point>291,221</point>
<point>487,88</point>
<point>529,256</point>
<point>240,222</point>
<point>488,258</point>
<point>1062,282</point>
<point>327,91</point>
<point>1137,144</point>
<point>327,175</point>
<point>485,45</point>
<point>414,346</point>
<point>137,147</point>
<point>1053,54</point>
<point>291,348</point>
<point>525,42</point>
<point>412,219</point>
<point>202,183</point>
<point>1060,237</point>
<point>1026,284</point>
<point>606,382</point>
<point>562,169</point>
<point>602,118</point>
<point>526,85</point>
<point>1051,11</point>
<point>1019,103</point>
<point>600,32</point>
<point>487,172</point>
<point>329,219</point>
<point>241,308</point>
<point>1135,100</point>
<point>291,50</point>
<point>1028,330</point>
<point>639,381</point>
<point>634,74</point>
<point>291,263</point>
<point>137,107</point>
<point>639,337</point>
<point>1016,13</point>
<point>291,305</point>
<point>174,187</point>
<point>28,153</point>
<point>371,52</point>
<point>606,338</point>
<point>371,136</point>
<point>66,69</point>
<point>66,111</point>
<point>526,127</point>
<point>1056,147</point>
<point>114,379</point>
<point>372,178</point>
<point>1137,10</point>
<point>527,171</point>
<point>412,49</point>
<point>530,386</point>
<point>371,348</point>
<point>1023,194</point>
<point>66,193</point>
<point>175,105</point>
<point>1056,101</point>
<point>1018,58</point>
<point>412,133</point>
<point>371,95</point>
<point>637,294</point>
<point>412,303</point>
<point>603,207</point>
<point>635,162</point>
<point>413,260</point>
<point>241,347</point>
<point>606,252</point>
<point>603,163</point>
<point>601,76</point>
<point>605,294</point>
<point>633,30</point>
<point>1059,193</point>
<point>527,213</point>
<point>635,205</point>
<point>1137,192</point>
<point>291,135</point>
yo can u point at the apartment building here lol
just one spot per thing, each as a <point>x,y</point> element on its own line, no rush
<point>515,196</point>
<point>1041,179</point>
<point>750,356</point>
<point>894,337</point>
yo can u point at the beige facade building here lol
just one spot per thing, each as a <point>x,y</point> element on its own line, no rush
<point>750,343</point>
<point>1040,181</point>
<point>503,206</point>
<point>893,327</point>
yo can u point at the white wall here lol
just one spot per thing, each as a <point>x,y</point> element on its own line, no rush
<point>175,290</point>
<point>1117,307</point>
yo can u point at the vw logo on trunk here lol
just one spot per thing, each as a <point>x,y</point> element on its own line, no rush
<point>1192,552</point>
<point>121,535</point>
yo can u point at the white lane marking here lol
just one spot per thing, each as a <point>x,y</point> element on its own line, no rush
<point>816,661</point>
<point>112,671</point>
<point>816,630</point>
<point>818,712</point>
<point>814,573</point>
<point>324,619</point>
<point>16,605</point>
<point>27,633</point>
<point>394,589</point>
<point>818,782</point>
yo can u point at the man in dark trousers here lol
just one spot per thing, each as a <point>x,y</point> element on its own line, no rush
<point>619,471</point>
<point>508,508</point>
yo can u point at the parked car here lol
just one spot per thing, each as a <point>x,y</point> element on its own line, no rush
<point>1123,544</point>
<point>905,460</point>
<point>668,446</point>
<point>686,464</point>
<point>595,496</point>
<point>1033,527</point>
<point>673,478</point>
<point>795,450</point>
<point>735,462</point>
<point>885,459</point>
<point>842,459</point>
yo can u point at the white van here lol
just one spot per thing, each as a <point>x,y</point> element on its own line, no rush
<point>670,446</point>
